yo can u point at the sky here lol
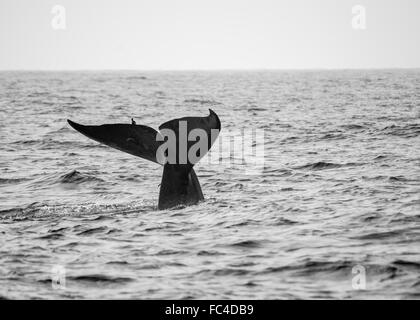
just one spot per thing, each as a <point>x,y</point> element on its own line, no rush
<point>208,34</point>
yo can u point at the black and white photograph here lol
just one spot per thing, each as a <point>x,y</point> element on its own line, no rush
<point>234,150</point>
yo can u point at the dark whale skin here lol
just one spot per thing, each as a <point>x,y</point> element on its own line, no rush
<point>179,185</point>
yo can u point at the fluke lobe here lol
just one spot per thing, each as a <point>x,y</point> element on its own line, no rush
<point>178,146</point>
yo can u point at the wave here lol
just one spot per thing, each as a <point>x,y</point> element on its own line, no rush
<point>43,210</point>
<point>122,262</point>
<point>29,142</point>
<point>136,78</point>
<point>379,235</point>
<point>408,264</point>
<point>209,253</point>
<point>247,244</point>
<point>201,101</point>
<point>169,252</point>
<point>353,127</point>
<point>254,108</point>
<point>333,136</point>
<point>410,130</point>
<point>91,231</point>
<point>77,177</point>
<point>284,222</point>
<point>51,143</point>
<point>398,179</point>
<point>52,236</point>
<point>225,272</point>
<point>321,165</point>
<point>100,279</point>
<point>380,157</point>
<point>12,180</point>
<point>388,178</point>
<point>309,267</point>
<point>37,94</point>
<point>277,172</point>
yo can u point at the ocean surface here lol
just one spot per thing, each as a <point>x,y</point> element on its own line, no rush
<point>334,212</point>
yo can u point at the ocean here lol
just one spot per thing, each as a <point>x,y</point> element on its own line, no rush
<point>334,213</point>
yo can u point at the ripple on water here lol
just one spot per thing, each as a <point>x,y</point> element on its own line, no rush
<point>339,187</point>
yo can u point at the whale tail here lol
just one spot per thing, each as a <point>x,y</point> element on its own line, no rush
<point>180,185</point>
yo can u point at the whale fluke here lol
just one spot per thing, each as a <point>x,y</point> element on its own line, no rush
<point>179,185</point>
<point>138,140</point>
<point>209,125</point>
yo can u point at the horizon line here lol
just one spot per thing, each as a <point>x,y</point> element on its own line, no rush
<point>209,70</point>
